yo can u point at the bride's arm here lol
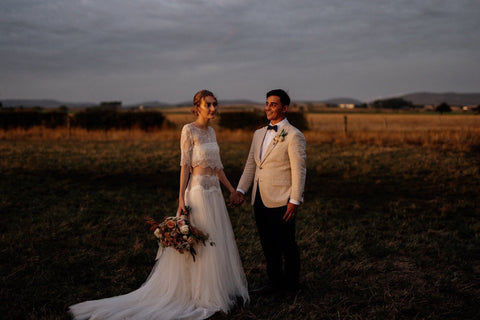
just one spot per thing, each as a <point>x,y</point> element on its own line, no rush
<point>186,147</point>
<point>184,175</point>
<point>223,179</point>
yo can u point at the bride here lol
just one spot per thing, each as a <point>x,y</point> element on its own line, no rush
<point>179,287</point>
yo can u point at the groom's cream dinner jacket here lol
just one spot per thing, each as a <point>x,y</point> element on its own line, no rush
<point>281,172</point>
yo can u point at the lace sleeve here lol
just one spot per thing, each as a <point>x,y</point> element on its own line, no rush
<point>186,147</point>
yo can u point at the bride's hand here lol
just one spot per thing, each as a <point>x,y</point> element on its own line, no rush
<point>181,208</point>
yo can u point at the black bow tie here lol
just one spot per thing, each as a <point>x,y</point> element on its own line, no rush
<point>269,127</point>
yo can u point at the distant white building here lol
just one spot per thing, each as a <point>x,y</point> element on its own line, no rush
<point>468,107</point>
<point>346,105</point>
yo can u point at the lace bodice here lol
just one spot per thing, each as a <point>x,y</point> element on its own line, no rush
<point>199,148</point>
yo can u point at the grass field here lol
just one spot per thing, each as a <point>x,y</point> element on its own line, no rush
<point>390,228</point>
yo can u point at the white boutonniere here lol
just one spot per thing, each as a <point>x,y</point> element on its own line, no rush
<point>281,136</point>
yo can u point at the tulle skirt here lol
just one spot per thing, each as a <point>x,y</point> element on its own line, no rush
<point>178,287</point>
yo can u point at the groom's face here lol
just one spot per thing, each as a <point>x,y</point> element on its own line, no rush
<point>274,110</point>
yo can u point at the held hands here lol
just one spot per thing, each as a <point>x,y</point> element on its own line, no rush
<point>236,199</point>
<point>291,212</point>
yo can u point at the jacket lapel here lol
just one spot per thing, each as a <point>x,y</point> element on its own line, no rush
<point>269,149</point>
<point>259,144</point>
<point>272,144</point>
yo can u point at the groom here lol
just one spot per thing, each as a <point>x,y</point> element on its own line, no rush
<point>276,168</point>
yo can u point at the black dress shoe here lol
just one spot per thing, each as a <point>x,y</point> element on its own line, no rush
<point>265,290</point>
<point>290,294</point>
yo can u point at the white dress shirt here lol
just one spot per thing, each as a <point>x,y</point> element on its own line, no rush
<point>270,135</point>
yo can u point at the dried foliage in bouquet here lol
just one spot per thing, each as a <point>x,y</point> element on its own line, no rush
<point>178,233</point>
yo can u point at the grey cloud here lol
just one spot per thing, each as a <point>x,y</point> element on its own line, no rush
<point>240,47</point>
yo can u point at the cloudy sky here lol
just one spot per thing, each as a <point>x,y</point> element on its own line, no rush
<point>166,50</point>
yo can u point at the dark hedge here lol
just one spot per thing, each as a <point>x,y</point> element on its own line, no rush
<point>254,120</point>
<point>90,119</point>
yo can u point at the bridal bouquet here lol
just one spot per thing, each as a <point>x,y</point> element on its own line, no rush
<point>178,233</point>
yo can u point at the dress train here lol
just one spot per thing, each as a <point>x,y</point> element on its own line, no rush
<point>178,287</point>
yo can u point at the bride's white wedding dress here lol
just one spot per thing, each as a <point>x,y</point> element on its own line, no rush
<point>179,287</point>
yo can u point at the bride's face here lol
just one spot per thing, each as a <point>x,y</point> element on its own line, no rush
<point>207,108</point>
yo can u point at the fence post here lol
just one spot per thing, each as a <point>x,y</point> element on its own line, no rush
<point>69,126</point>
<point>345,121</point>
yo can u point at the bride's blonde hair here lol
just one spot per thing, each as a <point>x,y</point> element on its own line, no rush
<point>198,97</point>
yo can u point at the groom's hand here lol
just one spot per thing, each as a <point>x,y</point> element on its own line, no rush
<point>291,212</point>
<point>236,199</point>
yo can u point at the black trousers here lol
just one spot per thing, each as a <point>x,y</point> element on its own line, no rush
<point>278,243</point>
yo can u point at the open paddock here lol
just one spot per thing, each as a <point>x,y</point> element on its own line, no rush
<point>454,132</point>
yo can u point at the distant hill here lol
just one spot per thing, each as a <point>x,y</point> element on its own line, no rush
<point>239,102</point>
<point>232,102</point>
<point>329,101</point>
<point>44,103</point>
<point>343,101</point>
<point>452,98</point>
<point>149,104</point>
<point>418,98</point>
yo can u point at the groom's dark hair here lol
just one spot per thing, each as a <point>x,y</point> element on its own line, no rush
<point>284,98</point>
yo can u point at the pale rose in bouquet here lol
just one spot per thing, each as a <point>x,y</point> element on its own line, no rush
<point>185,229</point>
<point>178,233</point>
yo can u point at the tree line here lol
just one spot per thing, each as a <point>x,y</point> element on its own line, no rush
<point>400,103</point>
<point>106,119</point>
<point>90,119</point>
